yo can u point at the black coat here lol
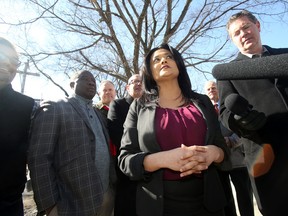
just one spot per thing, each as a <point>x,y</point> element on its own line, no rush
<point>125,196</point>
<point>117,113</point>
<point>270,97</point>
<point>15,116</point>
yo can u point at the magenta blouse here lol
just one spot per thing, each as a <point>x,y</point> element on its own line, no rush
<point>174,127</point>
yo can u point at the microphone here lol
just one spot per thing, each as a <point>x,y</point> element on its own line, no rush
<point>274,66</point>
<point>251,121</point>
<point>237,105</point>
<point>245,117</point>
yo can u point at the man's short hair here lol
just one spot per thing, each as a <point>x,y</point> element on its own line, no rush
<point>243,13</point>
<point>75,75</point>
<point>131,77</point>
<point>106,81</point>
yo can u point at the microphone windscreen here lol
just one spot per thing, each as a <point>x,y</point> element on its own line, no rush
<point>274,66</point>
<point>236,104</point>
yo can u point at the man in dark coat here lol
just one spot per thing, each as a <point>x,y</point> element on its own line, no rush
<point>266,147</point>
<point>125,203</point>
<point>15,114</point>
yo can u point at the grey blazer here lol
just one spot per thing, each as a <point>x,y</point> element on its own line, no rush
<point>139,139</point>
<point>61,159</point>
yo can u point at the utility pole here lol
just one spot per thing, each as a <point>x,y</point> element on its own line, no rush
<point>23,75</point>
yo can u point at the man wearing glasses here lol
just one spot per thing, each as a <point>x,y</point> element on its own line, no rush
<point>125,203</point>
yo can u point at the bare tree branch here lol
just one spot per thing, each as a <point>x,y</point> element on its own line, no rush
<point>111,37</point>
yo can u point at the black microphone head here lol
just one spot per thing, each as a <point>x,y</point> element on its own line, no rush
<point>237,104</point>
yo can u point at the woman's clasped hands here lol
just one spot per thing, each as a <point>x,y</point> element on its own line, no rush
<point>192,159</point>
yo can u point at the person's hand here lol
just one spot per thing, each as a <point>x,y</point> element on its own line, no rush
<point>183,156</point>
<point>253,121</point>
<point>200,158</point>
<point>187,160</point>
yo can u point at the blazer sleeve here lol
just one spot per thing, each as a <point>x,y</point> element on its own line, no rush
<point>219,141</point>
<point>215,136</point>
<point>131,157</point>
<point>40,156</point>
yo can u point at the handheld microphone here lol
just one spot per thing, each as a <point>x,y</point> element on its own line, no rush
<point>247,118</point>
<point>252,121</point>
<point>237,105</point>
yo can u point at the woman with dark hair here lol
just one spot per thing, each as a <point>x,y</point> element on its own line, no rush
<point>172,144</point>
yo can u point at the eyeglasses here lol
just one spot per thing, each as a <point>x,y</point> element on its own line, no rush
<point>135,82</point>
<point>9,60</point>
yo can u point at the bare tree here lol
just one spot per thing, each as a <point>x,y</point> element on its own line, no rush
<point>111,37</point>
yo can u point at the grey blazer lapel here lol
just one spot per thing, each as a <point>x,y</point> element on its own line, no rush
<point>79,110</point>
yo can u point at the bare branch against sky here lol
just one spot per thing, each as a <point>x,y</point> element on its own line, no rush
<point>111,37</point>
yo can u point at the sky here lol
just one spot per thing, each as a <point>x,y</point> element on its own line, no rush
<point>38,87</point>
<point>273,33</point>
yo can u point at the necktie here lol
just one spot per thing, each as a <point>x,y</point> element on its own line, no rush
<point>106,107</point>
<point>216,108</point>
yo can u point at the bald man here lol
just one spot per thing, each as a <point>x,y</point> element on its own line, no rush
<point>15,114</point>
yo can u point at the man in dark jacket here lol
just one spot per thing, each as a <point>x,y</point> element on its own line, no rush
<point>15,114</point>
<point>125,202</point>
<point>266,144</point>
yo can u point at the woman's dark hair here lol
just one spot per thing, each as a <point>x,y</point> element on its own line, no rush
<point>150,86</point>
